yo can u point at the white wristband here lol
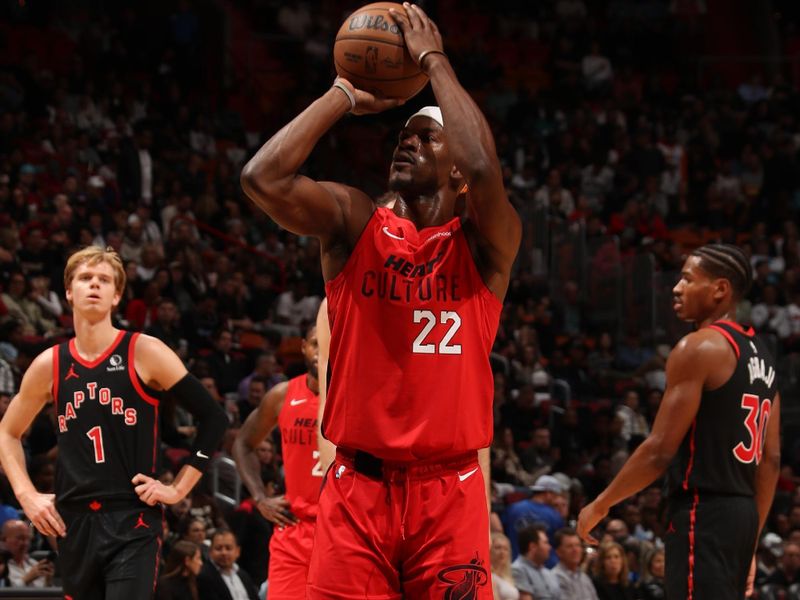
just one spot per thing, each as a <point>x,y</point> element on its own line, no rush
<point>338,84</point>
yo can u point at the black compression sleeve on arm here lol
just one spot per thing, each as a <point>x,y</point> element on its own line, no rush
<point>211,419</point>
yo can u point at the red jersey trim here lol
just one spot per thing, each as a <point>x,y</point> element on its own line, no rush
<point>135,376</point>
<point>90,365</point>
<point>749,332</point>
<point>729,337</point>
<point>692,528</point>
<point>54,388</point>
<point>690,466</point>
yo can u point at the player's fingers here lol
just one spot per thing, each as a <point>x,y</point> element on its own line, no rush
<point>53,524</point>
<point>58,521</point>
<point>423,18</point>
<point>413,16</point>
<point>140,478</point>
<point>43,526</point>
<point>400,18</point>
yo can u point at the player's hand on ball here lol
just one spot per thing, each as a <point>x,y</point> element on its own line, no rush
<point>41,510</point>
<point>152,491</point>
<point>366,103</point>
<point>589,518</point>
<point>276,509</point>
<point>420,33</point>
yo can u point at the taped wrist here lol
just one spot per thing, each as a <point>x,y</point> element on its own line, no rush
<point>209,416</point>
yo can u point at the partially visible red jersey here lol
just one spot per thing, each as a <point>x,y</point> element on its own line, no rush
<point>298,424</point>
<point>412,325</point>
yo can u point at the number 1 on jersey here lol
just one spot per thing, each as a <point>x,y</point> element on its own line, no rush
<point>96,435</point>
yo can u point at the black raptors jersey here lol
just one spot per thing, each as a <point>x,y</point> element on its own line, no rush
<point>722,449</point>
<point>107,423</point>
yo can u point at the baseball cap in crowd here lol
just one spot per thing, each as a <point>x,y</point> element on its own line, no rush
<point>547,483</point>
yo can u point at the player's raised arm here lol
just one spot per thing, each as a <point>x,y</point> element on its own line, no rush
<point>34,393</point>
<point>161,369</point>
<point>471,144</point>
<point>301,205</point>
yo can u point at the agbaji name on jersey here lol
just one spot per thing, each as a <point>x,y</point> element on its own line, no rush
<point>103,397</point>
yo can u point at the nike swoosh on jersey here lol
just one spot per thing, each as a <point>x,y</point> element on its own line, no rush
<point>468,474</point>
<point>201,455</point>
<point>297,401</point>
<point>392,235</point>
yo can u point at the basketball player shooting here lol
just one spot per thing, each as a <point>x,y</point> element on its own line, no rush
<point>414,300</point>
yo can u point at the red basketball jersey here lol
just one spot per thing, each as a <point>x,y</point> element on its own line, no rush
<point>412,325</point>
<point>298,423</point>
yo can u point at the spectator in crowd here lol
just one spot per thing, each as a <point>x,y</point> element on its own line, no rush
<point>23,570</point>
<point>225,367</point>
<point>651,583</point>
<point>221,578</point>
<point>502,578</point>
<point>179,579</point>
<point>634,423</point>
<point>532,578</point>
<point>537,509</point>
<point>574,582</point>
<point>266,367</point>
<point>610,573</point>
<point>788,571</point>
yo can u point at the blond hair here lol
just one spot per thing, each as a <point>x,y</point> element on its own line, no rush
<point>93,255</point>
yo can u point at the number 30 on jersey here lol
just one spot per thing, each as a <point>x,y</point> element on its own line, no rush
<point>756,425</point>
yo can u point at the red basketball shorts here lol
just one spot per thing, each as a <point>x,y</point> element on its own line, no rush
<point>418,531</point>
<point>289,557</point>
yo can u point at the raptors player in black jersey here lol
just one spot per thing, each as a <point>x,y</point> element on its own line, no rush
<point>106,385</point>
<point>717,433</point>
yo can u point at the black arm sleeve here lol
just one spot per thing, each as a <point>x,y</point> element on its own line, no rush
<point>210,417</point>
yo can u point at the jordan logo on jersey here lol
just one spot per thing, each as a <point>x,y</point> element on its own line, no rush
<point>140,522</point>
<point>463,581</point>
<point>71,373</point>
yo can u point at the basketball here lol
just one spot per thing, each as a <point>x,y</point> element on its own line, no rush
<point>370,53</point>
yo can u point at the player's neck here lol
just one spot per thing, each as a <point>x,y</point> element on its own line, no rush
<point>92,338</point>
<point>720,315</point>
<point>424,211</point>
<point>312,383</point>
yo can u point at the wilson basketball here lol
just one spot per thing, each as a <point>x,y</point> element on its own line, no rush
<point>370,53</point>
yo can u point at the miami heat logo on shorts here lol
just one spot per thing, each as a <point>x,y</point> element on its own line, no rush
<point>463,581</point>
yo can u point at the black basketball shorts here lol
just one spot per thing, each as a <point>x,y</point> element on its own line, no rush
<point>108,555</point>
<point>710,541</point>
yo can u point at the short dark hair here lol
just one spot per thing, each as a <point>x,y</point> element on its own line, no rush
<point>224,531</point>
<point>529,535</point>
<point>562,533</point>
<point>727,261</point>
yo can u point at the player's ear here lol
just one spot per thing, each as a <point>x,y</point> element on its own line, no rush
<point>722,289</point>
<point>116,299</point>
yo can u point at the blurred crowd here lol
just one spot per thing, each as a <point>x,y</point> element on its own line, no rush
<point>123,127</point>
